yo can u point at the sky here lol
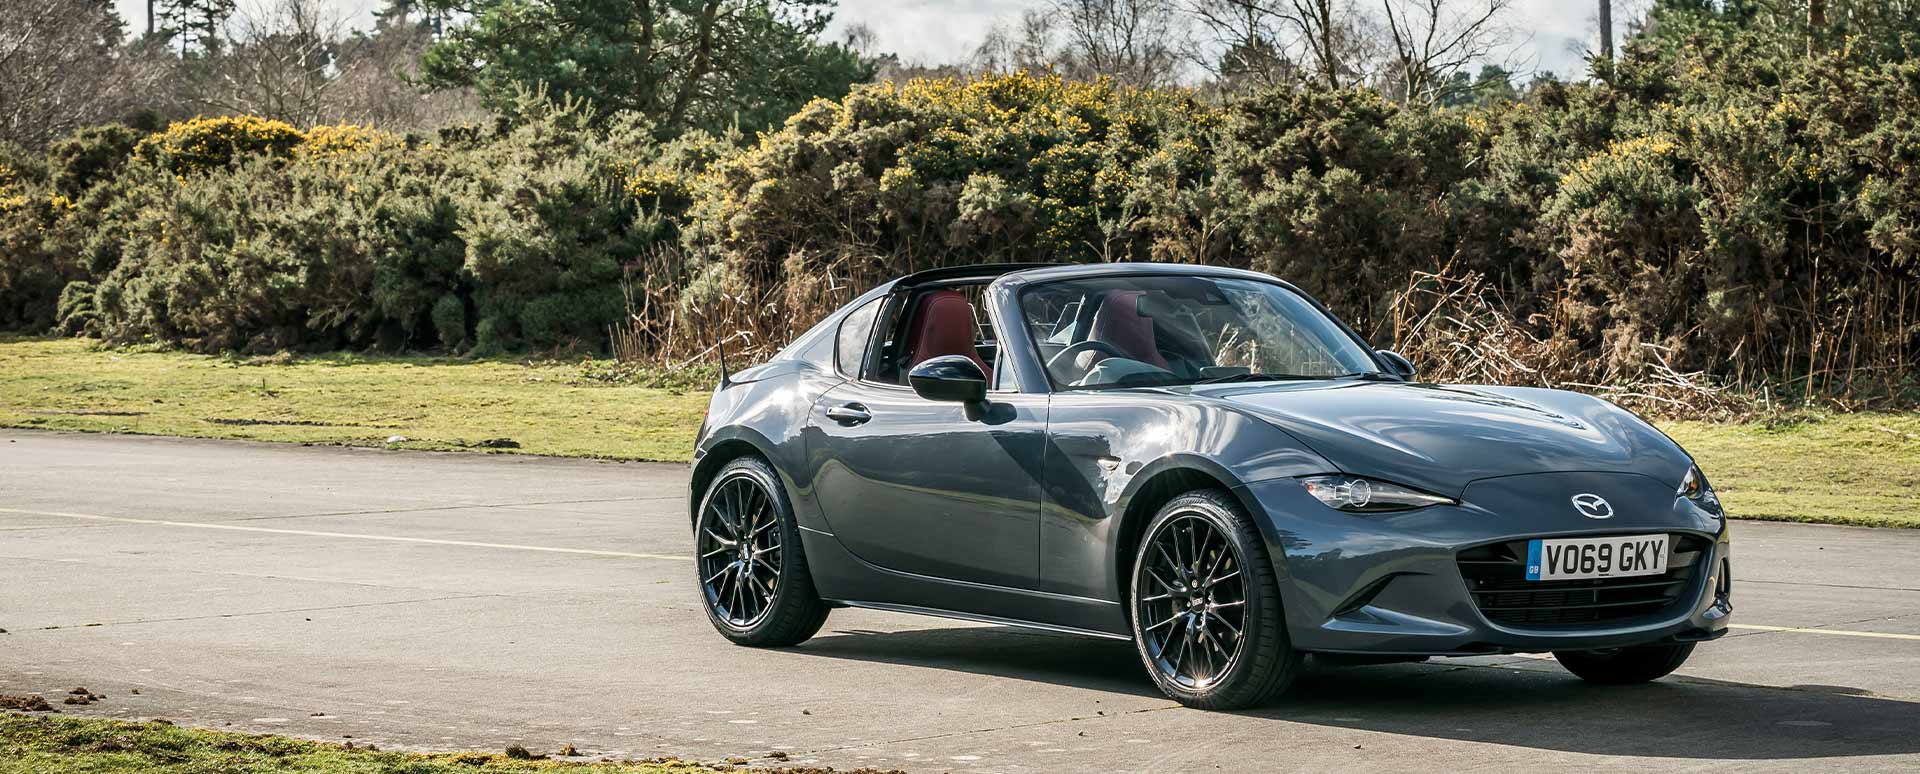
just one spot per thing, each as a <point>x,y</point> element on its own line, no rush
<point>936,31</point>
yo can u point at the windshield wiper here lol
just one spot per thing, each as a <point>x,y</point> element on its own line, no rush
<point>1259,377</point>
<point>1373,376</point>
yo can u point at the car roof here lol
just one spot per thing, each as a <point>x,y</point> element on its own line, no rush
<point>1046,272</point>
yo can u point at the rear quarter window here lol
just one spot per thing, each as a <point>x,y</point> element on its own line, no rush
<point>856,330</point>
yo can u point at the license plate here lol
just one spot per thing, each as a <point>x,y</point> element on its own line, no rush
<point>1608,557</point>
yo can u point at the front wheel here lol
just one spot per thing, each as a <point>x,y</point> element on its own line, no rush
<point>1625,666</point>
<point>752,572</point>
<point>1206,606</point>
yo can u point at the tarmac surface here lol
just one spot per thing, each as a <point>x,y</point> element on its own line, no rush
<point>465,601</point>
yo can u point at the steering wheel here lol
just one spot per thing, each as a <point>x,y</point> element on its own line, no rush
<point>1065,357</point>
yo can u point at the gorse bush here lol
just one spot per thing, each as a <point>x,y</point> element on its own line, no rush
<point>501,237</point>
<point>204,144</point>
<point>1713,203</point>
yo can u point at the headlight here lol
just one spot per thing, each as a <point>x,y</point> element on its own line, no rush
<point>1695,487</point>
<point>1365,495</point>
<point>1692,485</point>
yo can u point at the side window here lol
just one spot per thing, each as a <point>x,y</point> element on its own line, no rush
<point>851,344</point>
<point>931,322</point>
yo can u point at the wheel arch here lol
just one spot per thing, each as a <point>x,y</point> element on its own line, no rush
<point>1155,486</point>
<point>725,446</point>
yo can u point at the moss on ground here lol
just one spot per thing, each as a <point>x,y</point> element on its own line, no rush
<point>47,743</point>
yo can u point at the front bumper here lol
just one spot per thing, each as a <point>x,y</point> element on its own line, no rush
<point>1392,584</point>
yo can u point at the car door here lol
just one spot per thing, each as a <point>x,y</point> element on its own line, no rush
<point>914,485</point>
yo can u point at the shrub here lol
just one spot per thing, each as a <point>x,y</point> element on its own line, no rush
<point>333,141</point>
<point>1712,204</point>
<point>507,237</point>
<point>203,144</point>
<point>89,157</point>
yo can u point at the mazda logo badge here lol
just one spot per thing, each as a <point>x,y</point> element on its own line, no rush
<point>1592,506</point>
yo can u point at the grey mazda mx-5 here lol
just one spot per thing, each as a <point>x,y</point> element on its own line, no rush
<point>1203,461</point>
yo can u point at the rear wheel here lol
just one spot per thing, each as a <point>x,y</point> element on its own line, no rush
<point>1625,666</point>
<point>752,572</point>
<point>1206,606</point>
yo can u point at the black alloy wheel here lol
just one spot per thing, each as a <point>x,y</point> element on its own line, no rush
<point>753,575</point>
<point>1193,608</point>
<point>1206,606</point>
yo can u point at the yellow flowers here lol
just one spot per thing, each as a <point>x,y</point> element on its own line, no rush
<point>339,140</point>
<point>1637,153</point>
<point>1640,146</point>
<point>205,143</point>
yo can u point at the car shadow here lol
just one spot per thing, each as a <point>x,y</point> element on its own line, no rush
<point>998,651</point>
<point>1515,702</point>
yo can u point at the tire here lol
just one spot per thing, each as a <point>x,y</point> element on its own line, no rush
<point>1196,608</point>
<point>762,597</point>
<point>1625,666</point>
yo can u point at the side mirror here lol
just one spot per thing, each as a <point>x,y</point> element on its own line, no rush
<point>1397,363</point>
<point>949,378</point>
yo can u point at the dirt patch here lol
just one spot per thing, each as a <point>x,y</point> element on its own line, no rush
<point>518,753</point>
<point>83,413</point>
<point>490,443</point>
<point>26,703</point>
<point>248,422</point>
<point>82,696</point>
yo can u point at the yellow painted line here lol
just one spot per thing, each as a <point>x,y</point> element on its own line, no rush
<point>1835,632</point>
<point>348,535</point>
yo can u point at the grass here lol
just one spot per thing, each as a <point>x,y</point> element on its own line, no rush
<point>103,746</point>
<point>556,409</point>
<point>1861,469</point>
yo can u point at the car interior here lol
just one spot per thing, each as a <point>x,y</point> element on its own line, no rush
<point>937,322</point>
<point>1096,334</point>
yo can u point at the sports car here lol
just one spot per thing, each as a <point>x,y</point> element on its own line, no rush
<point>1204,461</point>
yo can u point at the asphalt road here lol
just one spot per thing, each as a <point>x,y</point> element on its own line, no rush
<point>435,601</point>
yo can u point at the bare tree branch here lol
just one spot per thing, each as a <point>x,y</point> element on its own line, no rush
<point>1433,39</point>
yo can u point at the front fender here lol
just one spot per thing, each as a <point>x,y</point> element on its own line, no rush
<point>1111,458</point>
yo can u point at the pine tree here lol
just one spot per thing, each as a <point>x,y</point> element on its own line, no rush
<point>193,24</point>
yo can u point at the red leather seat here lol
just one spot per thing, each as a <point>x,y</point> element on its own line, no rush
<point>1119,323</point>
<point>942,324</point>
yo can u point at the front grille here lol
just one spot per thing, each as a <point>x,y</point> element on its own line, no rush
<point>1497,576</point>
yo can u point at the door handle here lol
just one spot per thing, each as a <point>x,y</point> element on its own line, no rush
<point>850,414</point>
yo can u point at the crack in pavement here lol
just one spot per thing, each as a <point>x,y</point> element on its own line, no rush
<point>256,613</point>
<point>1423,673</point>
<point>1712,683</point>
<point>970,732</point>
<point>1824,585</point>
<point>230,573</point>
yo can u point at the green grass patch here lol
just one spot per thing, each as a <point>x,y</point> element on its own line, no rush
<point>31,745</point>
<point>1861,469</point>
<point>592,409</point>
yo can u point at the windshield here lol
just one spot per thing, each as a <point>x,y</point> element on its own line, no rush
<point>1136,331</point>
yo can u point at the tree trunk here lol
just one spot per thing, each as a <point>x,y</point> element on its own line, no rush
<point>1606,29</point>
<point>1329,61</point>
<point>1816,24</point>
<point>702,62</point>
